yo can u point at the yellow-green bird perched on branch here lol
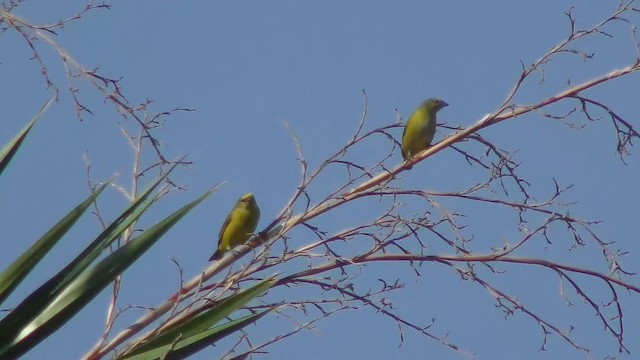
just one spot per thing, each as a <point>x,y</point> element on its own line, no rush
<point>421,127</point>
<point>239,226</point>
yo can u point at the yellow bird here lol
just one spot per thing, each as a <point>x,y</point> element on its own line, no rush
<point>421,127</point>
<point>240,224</point>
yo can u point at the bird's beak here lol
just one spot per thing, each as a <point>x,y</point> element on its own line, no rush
<point>444,104</point>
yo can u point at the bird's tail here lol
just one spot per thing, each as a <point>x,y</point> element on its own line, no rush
<point>216,255</point>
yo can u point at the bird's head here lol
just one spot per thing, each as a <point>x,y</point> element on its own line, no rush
<point>434,104</point>
<point>247,198</point>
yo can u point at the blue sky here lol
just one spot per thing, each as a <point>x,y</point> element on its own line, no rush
<point>247,68</point>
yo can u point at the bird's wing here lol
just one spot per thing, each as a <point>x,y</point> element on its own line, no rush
<point>223,228</point>
<point>404,132</point>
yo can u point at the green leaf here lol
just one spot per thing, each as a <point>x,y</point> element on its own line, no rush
<point>37,301</point>
<point>183,347</point>
<point>89,284</point>
<point>244,356</point>
<point>112,232</point>
<point>9,150</point>
<point>204,320</point>
<point>13,275</point>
